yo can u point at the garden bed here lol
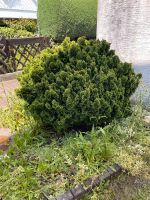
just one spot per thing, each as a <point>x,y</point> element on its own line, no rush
<point>39,163</point>
<point>71,123</point>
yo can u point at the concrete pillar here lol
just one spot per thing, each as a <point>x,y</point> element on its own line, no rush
<point>126,24</point>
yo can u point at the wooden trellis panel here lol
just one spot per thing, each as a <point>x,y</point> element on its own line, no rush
<point>16,53</point>
<point>3,56</point>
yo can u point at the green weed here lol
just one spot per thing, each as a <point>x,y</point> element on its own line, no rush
<point>41,165</point>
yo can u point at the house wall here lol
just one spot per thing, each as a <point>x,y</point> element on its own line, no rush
<point>18,9</point>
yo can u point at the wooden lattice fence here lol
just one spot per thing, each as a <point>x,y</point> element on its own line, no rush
<point>16,53</point>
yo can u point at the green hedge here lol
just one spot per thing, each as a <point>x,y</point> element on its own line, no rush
<point>73,18</point>
<point>14,33</point>
<point>20,24</point>
<point>77,85</point>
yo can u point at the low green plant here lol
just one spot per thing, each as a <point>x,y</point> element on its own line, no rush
<point>14,116</point>
<point>40,165</point>
<point>78,84</point>
<point>143,193</point>
<point>65,162</point>
<point>29,25</point>
<point>133,141</point>
<point>14,33</point>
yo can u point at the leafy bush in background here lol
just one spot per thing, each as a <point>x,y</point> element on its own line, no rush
<point>78,85</point>
<point>73,18</point>
<point>17,28</point>
<point>14,33</point>
<point>20,24</point>
<point>2,23</point>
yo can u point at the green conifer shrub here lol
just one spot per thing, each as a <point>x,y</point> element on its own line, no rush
<point>78,85</point>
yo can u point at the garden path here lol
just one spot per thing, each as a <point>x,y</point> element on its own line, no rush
<point>6,87</point>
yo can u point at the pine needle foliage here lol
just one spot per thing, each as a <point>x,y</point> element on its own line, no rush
<point>78,84</point>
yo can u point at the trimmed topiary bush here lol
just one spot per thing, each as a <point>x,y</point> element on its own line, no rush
<point>73,18</point>
<point>78,85</point>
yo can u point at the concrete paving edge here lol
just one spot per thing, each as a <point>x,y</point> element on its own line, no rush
<point>9,76</point>
<point>87,187</point>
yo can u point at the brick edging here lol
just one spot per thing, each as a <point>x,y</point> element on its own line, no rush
<point>9,76</point>
<point>87,187</point>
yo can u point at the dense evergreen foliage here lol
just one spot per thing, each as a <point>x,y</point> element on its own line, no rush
<point>73,18</point>
<point>78,85</point>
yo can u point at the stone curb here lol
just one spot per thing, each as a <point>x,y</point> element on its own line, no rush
<point>90,184</point>
<point>9,76</point>
<point>146,121</point>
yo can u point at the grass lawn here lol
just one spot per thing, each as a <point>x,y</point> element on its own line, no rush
<point>41,164</point>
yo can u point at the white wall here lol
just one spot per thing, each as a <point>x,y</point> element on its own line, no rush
<point>18,9</point>
<point>126,24</point>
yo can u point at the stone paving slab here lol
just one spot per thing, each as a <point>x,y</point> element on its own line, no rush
<point>5,138</point>
<point>5,132</point>
<point>7,87</point>
<point>9,76</point>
